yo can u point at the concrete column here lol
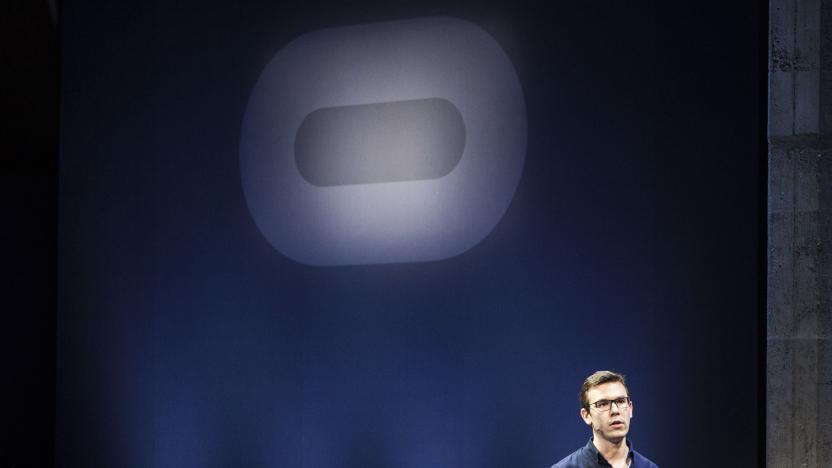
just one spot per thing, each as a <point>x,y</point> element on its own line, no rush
<point>794,67</point>
<point>799,377</point>
<point>799,351</point>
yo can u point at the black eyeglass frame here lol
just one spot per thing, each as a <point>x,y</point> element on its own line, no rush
<point>627,401</point>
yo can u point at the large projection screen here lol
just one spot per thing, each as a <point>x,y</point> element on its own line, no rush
<point>256,269</point>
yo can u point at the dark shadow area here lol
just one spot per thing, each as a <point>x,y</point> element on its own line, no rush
<point>28,238</point>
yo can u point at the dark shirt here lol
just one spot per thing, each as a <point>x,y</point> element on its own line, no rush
<point>589,457</point>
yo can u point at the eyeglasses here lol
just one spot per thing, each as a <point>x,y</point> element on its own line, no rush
<point>605,405</point>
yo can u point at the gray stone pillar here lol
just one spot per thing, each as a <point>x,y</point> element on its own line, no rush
<point>799,351</point>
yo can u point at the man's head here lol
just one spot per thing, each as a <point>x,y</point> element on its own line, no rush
<point>606,406</point>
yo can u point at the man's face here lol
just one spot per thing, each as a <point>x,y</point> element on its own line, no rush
<point>614,423</point>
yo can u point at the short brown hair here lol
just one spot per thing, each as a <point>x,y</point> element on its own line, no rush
<point>599,378</point>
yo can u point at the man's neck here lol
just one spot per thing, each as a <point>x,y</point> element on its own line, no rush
<point>612,451</point>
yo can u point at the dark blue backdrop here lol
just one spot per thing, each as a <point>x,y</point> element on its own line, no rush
<point>632,243</point>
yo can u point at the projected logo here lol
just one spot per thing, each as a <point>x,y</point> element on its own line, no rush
<point>383,143</point>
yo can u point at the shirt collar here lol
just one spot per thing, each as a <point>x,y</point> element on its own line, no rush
<point>596,456</point>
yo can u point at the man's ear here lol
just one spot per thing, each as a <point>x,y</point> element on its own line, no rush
<point>586,417</point>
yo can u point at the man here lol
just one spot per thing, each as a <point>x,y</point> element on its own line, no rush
<point>606,408</point>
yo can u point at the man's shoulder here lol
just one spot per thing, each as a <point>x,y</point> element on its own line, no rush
<point>643,462</point>
<point>571,461</point>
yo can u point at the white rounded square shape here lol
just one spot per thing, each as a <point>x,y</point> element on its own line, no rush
<point>384,222</point>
